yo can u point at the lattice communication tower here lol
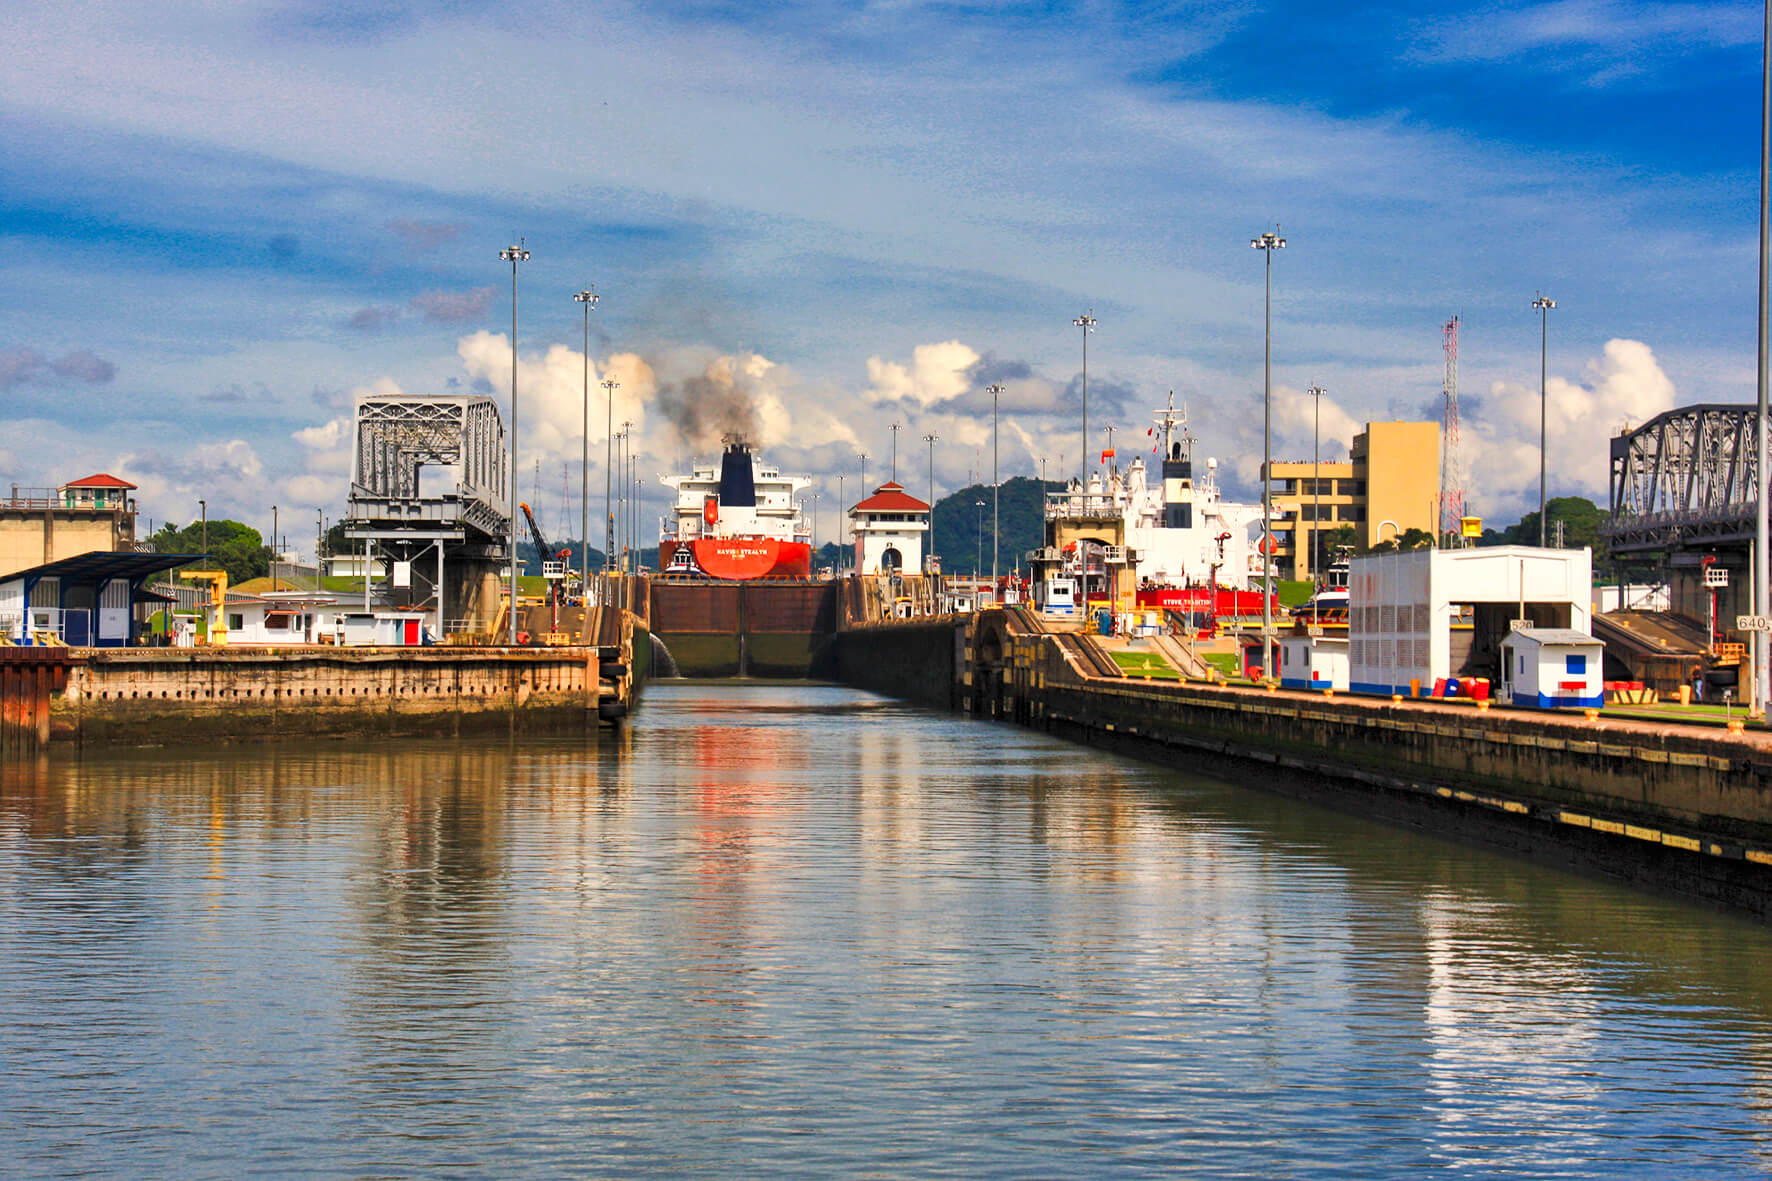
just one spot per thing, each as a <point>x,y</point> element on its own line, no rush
<point>1451,467</point>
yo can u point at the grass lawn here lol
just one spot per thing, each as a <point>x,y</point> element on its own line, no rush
<point>1145,664</point>
<point>1224,662</point>
<point>1673,711</point>
<point>1295,592</point>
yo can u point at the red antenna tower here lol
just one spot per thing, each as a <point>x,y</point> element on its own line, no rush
<point>1451,470</point>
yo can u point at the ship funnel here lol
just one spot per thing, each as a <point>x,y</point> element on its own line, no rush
<point>738,487</point>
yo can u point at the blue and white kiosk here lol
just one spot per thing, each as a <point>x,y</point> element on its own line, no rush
<point>1551,668</point>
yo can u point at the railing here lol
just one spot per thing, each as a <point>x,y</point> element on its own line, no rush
<point>1068,505</point>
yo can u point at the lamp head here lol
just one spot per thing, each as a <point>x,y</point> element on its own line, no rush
<point>588,296</point>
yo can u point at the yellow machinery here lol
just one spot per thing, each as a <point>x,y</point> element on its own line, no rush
<point>217,581</point>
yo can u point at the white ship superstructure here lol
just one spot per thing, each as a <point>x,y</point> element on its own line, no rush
<point>775,514</point>
<point>1178,533</point>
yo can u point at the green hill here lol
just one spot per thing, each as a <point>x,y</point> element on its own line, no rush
<point>962,530</point>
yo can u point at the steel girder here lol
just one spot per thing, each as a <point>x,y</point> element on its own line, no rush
<point>398,436</point>
<point>1687,478</point>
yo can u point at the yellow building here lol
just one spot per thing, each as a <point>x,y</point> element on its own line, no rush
<point>42,525</point>
<point>1388,485</point>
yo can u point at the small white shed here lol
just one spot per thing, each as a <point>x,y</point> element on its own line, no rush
<point>395,629</point>
<point>1551,668</point>
<point>1313,662</point>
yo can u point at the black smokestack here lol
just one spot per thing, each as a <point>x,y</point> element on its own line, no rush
<point>738,489</point>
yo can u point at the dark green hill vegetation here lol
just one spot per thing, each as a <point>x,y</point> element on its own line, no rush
<point>962,531</point>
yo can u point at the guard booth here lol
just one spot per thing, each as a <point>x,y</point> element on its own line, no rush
<point>1056,597</point>
<point>1313,662</point>
<point>1551,668</point>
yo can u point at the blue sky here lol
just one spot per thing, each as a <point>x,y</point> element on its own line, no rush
<point>223,221</point>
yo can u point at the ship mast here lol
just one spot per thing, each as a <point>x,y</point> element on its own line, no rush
<point>1167,420</point>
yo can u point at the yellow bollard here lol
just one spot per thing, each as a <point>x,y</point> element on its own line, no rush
<point>1735,725</point>
<point>1593,715</point>
<point>1685,695</point>
<point>1396,699</point>
<point>1483,706</point>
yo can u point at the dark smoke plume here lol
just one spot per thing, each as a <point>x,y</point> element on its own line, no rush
<point>709,409</point>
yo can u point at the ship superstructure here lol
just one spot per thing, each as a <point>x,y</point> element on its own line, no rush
<point>739,519</point>
<point>1157,526</point>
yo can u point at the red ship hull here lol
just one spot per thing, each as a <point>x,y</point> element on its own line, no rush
<point>740,559</point>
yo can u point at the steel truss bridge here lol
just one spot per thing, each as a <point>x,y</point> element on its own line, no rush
<point>449,528</point>
<point>1687,479</point>
<point>462,436</point>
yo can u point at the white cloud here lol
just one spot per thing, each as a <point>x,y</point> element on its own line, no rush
<point>1622,387</point>
<point>937,372</point>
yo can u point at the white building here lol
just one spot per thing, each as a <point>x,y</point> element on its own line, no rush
<point>891,529</point>
<point>1313,662</point>
<point>1417,617</point>
<point>281,619</point>
<point>1551,668</point>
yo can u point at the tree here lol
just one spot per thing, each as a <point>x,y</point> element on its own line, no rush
<point>233,547</point>
<point>1581,519</point>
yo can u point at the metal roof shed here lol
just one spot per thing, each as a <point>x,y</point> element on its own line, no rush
<point>87,601</point>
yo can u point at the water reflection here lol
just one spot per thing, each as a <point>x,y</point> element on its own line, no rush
<point>802,930</point>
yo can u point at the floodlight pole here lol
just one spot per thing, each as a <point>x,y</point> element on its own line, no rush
<point>1267,244</point>
<point>1087,323</point>
<point>626,499</point>
<point>587,297</point>
<point>996,490</point>
<point>929,539</point>
<point>513,255</point>
<point>1544,307</point>
<point>1316,393</point>
<point>1762,689</point>
<point>610,385</point>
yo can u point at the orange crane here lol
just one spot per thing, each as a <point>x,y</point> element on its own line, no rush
<point>553,568</point>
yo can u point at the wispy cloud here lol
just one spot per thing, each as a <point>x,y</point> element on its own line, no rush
<point>454,307</point>
<point>1599,39</point>
<point>18,366</point>
<point>372,319</point>
<point>423,236</point>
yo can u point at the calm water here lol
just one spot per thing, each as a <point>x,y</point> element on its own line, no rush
<point>804,931</point>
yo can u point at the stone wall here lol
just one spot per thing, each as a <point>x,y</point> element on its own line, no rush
<point>163,696</point>
<point>919,660</point>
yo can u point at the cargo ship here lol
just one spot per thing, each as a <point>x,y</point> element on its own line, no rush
<point>737,522</point>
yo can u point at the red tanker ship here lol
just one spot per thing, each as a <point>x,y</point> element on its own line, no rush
<point>742,522</point>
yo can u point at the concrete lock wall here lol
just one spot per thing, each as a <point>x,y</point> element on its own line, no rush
<point>916,661</point>
<point>1682,810</point>
<point>159,696</point>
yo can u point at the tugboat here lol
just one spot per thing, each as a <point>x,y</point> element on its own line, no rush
<point>740,523</point>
